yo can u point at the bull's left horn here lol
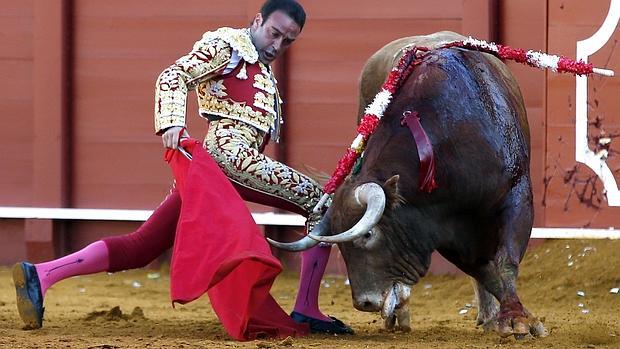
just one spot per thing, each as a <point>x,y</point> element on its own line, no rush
<point>371,195</point>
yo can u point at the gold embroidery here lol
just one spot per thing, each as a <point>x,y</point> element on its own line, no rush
<point>264,102</point>
<point>239,39</point>
<point>234,146</point>
<point>205,71</point>
<point>210,105</point>
<point>264,83</point>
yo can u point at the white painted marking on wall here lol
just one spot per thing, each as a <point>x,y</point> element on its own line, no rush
<point>583,154</point>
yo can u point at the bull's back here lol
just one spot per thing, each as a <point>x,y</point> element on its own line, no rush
<point>381,62</point>
<point>473,111</point>
<point>470,107</point>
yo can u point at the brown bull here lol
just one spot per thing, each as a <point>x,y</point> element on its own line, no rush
<point>479,217</point>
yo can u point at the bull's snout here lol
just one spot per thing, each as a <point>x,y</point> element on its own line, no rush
<point>367,302</point>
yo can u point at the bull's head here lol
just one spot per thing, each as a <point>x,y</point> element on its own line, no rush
<point>372,243</point>
<point>366,210</point>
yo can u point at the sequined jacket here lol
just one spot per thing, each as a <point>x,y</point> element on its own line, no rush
<point>230,82</point>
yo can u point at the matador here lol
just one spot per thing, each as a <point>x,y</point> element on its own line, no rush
<point>237,93</point>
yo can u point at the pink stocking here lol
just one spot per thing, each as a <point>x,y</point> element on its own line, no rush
<point>91,259</point>
<point>313,263</point>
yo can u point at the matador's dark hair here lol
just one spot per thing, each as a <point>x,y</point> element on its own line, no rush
<point>291,7</point>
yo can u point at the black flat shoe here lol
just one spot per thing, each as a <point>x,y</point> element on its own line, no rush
<point>319,326</point>
<point>28,293</point>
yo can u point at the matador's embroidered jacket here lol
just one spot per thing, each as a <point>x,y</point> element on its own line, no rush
<point>229,80</point>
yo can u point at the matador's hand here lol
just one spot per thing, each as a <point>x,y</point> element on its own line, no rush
<point>170,138</point>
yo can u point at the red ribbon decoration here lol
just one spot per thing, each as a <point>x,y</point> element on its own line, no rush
<point>426,181</point>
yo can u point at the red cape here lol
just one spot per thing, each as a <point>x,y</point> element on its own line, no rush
<point>219,249</point>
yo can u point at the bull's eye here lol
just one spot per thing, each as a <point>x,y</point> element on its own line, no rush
<point>368,240</point>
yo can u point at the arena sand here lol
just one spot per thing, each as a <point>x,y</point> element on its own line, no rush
<point>567,283</point>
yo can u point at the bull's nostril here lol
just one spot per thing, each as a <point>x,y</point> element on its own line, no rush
<point>364,305</point>
<point>367,303</point>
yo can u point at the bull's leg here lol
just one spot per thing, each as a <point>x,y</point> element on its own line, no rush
<point>487,304</point>
<point>499,276</point>
<point>513,318</point>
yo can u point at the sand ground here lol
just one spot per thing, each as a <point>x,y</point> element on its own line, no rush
<point>567,283</point>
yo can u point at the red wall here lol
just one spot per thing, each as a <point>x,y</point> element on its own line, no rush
<point>523,24</point>
<point>16,102</point>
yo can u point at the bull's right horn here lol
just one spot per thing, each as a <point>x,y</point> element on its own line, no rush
<point>371,195</point>
<point>305,243</point>
<point>296,246</point>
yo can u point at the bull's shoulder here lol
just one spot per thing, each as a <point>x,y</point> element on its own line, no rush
<point>381,62</point>
<point>395,48</point>
<point>385,58</point>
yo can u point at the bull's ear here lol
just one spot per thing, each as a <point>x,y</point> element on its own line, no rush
<point>391,191</point>
<point>392,183</point>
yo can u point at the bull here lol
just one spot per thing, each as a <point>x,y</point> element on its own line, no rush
<point>480,216</point>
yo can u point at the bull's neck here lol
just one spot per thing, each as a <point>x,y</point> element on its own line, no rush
<point>412,239</point>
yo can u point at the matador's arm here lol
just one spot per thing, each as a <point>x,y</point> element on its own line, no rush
<point>208,57</point>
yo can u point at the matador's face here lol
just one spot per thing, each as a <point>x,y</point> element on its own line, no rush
<point>273,36</point>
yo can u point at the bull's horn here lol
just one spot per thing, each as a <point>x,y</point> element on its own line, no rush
<point>305,243</point>
<point>370,194</point>
<point>299,245</point>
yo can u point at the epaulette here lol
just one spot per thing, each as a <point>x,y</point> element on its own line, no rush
<point>238,39</point>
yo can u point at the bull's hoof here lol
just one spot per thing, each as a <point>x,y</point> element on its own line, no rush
<point>404,321</point>
<point>390,322</point>
<point>537,329</point>
<point>400,316</point>
<point>519,327</point>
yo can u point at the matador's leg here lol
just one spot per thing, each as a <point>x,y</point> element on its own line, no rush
<point>234,146</point>
<point>258,178</point>
<point>112,254</point>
